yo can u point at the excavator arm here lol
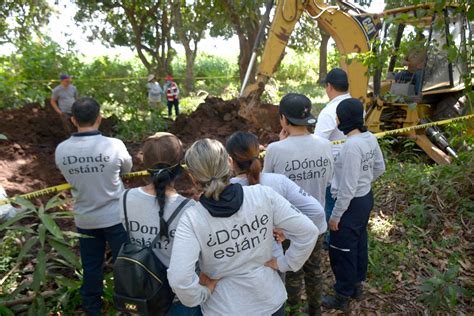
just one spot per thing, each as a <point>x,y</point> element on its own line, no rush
<point>351,35</point>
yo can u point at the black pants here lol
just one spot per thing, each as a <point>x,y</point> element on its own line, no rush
<point>92,256</point>
<point>348,250</point>
<point>280,312</point>
<point>174,103</point>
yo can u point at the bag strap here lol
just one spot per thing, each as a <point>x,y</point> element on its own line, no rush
<point>176,212</point>
<point>172,217</point>
<point>125,213</point>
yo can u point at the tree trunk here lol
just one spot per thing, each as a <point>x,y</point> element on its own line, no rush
<point>323,56</point>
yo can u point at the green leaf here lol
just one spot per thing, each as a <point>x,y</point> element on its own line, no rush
<point>54,202</point>
<point>65,252</point>
<point>24,203</point>
<point>26,248</point>
<point>4,311</point>
<point>42,234</point>
<point>39,276</point>
<point>16,218</point>
<point>69,283</point>
<point>470,13</point>
<point>52,227</point>
<point>412,106</point>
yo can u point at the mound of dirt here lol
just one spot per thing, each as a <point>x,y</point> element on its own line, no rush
<point>27,156</point>
<point>218,119</point>
<point>33,132</point>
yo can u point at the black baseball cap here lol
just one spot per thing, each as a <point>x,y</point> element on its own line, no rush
<point>297,109</point>
<point>336,76</point>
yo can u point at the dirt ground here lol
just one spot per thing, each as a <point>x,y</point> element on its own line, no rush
<point>27,164</point>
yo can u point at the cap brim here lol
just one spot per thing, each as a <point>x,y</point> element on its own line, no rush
<point>308,121</point>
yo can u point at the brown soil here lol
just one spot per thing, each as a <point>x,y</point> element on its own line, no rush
<point>33,132</point>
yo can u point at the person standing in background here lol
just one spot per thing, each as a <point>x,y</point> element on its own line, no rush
<point>337,86</point>
<point>172,93</point>
<point>92,165</point>
<point>154,92</point>
<point>62,98</point>
<point>360,162</point>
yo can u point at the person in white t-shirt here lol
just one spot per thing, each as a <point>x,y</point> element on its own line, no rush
<point>337,86</point>
<point>307,160</point>
<point>154,92</point>
<point>229,233</point>
<point>244,148</point>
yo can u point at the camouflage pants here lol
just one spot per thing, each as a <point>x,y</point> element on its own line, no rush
<point>312,276</point>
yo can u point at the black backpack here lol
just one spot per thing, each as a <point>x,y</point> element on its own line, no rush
<point>140,281</point>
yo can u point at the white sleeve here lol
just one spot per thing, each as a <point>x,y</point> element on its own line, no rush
<point>277,250</point>
<point>307,204</point>
<point>125,159</point>
<point>347,186</point>
<point>325,125</point>
<point>182,275</point>
<point>301,232</point>
<point>268,165</point>
<point>379,164</point>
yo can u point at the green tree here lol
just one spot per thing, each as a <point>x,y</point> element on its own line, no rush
<point>190,21</point>
<point>19,19</point>
<point>144,25</point>
<point>242,18</point>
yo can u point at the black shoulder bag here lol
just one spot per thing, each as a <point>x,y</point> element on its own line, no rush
<point>140,281</point>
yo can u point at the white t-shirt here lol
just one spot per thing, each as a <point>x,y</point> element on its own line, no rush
<point>154,91</point>
<point>326,127</point>
<point>234,250</point>
<point>307,204</point>
<point>144,220</point>
<point>307,160</point>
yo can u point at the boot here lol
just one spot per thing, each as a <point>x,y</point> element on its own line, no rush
<point>338,302</point>
<point>358,294</point>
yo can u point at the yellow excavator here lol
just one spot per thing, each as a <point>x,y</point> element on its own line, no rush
<point>352,30</point>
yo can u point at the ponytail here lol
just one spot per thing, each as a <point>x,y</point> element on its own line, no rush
<point>162,177</point>
<point>244,148</point>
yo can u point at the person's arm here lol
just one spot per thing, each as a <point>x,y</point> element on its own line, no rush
<point>325,126</point>
<point>182,275</point>
<point>307,204</point>
<point>301,232</point>
<point>76,93</point>
<point>347,185</point>
<point>54,102</point>
<point>379,164</point>
<point>268,165</point>
<point>126,159</point>
<point>177,90</point>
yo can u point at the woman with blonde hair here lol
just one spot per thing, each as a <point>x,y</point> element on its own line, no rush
<point>229,234</point>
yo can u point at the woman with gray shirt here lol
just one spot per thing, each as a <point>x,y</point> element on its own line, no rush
<point>229,233</point>
<point>149,208</point>
<point>360,162</point>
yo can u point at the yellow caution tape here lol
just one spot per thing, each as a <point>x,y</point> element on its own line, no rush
<point>125,79</point>
<point>63,187</point>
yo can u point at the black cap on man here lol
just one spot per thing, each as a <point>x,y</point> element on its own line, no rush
<point>297,109</point>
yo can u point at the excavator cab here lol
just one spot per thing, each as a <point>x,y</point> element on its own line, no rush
<point>440,89</point>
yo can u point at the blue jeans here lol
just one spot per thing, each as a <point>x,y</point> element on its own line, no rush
<point>406,76</point>
<point>348,251</point>
<point>328,207</point>
<point>178,309</point>
<point>92,257</point>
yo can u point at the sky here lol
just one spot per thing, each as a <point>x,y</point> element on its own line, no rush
<point>62,28</point>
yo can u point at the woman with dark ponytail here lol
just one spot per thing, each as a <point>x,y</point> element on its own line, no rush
<point>150,207</point>
<point>244,149</point>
